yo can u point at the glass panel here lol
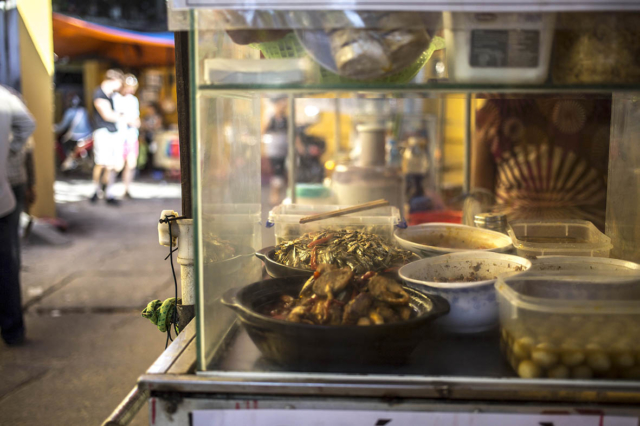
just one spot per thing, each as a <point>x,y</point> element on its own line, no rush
<point>511,115</point>
<point>228,211</point>
<point>336,50</point>
<point>623,220</point>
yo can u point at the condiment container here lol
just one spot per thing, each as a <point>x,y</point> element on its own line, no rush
<point>558,238</point>
<point>596,48</point>
<point>492,221</point>
<point>285,219</point>
<point>583,264</point>
<point>579,326</point>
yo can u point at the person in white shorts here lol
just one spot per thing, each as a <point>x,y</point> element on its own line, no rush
<point>127,104</point>
<point>108,145</point>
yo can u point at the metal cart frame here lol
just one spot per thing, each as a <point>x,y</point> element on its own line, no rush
<point>174,389</point>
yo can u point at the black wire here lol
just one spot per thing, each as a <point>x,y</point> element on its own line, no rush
<point>175,282</point>
<point>173,320</point>
<point>171,217</point>
<point>172,251</point>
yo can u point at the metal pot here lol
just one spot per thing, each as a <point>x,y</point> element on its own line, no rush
<point>278,270</point>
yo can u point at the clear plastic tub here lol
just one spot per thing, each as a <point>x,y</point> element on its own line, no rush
<point>582,264</point>
<point>558,238</point>
<point>286,221</point>
<point>255,71</point>
<point>506,48</point>
<point>571,326</point>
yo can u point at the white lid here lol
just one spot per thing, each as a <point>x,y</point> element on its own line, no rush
<point>593,292</point>
<point>292,213</point>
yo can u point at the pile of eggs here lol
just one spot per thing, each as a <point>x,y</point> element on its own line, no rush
<point>579,347</point>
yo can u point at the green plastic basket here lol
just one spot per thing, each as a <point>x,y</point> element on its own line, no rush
<point>287,47</point>
<point>290,47</point>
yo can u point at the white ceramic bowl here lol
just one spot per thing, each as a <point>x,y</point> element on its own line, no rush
<point>435,239</point>
<point>474,307</point>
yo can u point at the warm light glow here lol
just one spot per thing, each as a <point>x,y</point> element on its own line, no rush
<point>311,110</point>
<point>330,165</point>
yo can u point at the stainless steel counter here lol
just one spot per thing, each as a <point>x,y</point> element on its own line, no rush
<point>459,369</point>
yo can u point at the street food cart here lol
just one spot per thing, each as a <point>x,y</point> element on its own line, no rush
<point>554,358</point>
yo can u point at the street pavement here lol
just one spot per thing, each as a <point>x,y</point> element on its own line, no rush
<point>83,293</point>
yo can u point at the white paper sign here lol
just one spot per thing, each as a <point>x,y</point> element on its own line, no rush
<point>391,418</point>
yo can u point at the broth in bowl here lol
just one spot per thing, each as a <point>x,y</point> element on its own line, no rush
<point>434,239</point>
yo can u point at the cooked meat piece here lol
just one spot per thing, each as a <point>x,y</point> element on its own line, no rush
<point>326,267</point>
<point>386,312</point>
<point>364,321</point>
<point>404,312</point>
<point>334,314</point>
<point>387,290</point>
<point>332,281</point>
<point>357,308</point>
<point>376,318</point>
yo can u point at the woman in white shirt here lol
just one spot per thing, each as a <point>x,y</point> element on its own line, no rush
<point>127,104</point>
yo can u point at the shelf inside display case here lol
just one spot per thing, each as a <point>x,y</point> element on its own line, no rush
<point>404,51</point>
<point>435,356</point>
<point>417,89</point>
<point>244,67</point>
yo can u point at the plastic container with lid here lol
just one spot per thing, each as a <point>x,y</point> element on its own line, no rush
<point>286,221</point>
<point>582,264</point>
<point>506,48</point>
<point>574,325</point>
<point>596,48</point>
<point>558,238</point>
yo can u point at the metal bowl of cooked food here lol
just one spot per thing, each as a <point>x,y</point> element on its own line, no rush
<point>278,270</point>
<point>360,251</point>
<point>335,317</point>
<point>435,239</point>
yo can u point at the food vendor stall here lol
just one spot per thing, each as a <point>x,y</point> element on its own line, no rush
<point>530,317</point>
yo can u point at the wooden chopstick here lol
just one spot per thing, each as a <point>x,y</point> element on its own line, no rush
<point>347,210</point>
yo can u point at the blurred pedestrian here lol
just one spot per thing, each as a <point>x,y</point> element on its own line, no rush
<point>276,148</point>
<point>74,127</point>
<point>107,145</point>
<point>16,125</point>
<point>151,124</point>
<point>128,106</point>
<point>310,149</point>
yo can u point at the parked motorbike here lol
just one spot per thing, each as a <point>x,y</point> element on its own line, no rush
<point>79,158</point>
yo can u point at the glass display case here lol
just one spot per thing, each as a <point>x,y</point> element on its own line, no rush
<point>536,105</point>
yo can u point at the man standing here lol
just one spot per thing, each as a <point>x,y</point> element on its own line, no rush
<point>107,145</point>
<point>16,125</point>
